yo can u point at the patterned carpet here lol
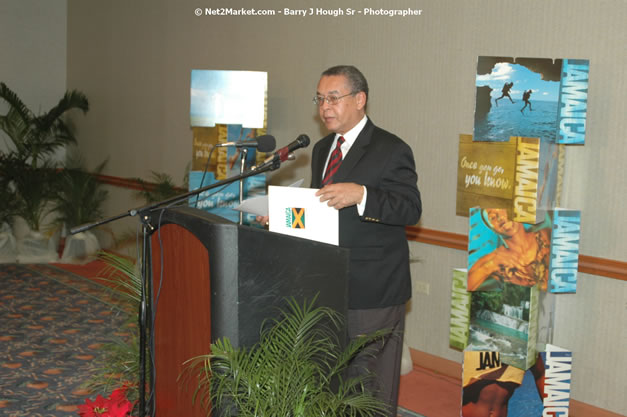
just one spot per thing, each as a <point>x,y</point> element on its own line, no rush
<point>52,324</point>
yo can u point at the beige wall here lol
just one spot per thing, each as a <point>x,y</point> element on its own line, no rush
<point>133,60</point>
<point>33,42</point>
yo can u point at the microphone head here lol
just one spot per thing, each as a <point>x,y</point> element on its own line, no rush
<point>265,143</point>
<point>303,140</point>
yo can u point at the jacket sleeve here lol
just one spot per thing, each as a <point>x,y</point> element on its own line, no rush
<point>395,198</point>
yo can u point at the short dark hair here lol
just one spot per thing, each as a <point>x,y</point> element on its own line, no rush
<point>355,78</point>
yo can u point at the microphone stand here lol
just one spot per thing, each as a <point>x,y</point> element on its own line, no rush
<point>244,152</point>
<point>147,229</point>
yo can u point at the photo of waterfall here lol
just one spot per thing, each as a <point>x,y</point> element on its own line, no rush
<point>500,322</point>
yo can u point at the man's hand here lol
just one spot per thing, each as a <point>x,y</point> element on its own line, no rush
<point>343,194</point>
<point>263,220</point>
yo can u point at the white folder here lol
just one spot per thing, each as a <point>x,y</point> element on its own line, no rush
<point>298,212</point>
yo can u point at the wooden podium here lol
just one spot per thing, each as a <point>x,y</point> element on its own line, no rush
<point>212,278</point>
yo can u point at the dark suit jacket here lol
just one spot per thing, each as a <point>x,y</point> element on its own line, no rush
<point>379,259</point>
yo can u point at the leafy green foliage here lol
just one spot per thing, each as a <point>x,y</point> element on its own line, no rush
<point>35,137</point>
<point>512,294</point>
<point>119,364</point>
<point>297,369</point>
<point>125,277</point>
<point>118,367</point>
<point>79,195</point>
<point>160,188</point>
<point>489,300</point>
<point>27,169</point>
<point>8,197</point>
<point>34,187</point>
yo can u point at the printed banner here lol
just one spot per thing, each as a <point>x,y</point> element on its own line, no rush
<point>545,254</point>
<point>460,310</point>
<point>520,175</point>
<point>564,250</point>
<point>220,201</point>
<point>228,97</point>
<point>531,97</point>
<point>506,321</point>
<point>488,384</point>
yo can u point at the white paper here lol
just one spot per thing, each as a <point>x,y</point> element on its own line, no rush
<point>259,205</point>
<point>256,205</point>
<point>298,212</point>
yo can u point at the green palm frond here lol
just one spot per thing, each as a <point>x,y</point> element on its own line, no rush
<point>161,187</point>
<point>70,101</point>
<point>16,129</point>
<point>17,108</point>
<point>34,137</point>
<point>119,363</point>
<point>34,189</point>
<point>79,195</point>
<point>8,197</point>
<point>124,275</point>
<point>296,369</point>
<point>16,122</point>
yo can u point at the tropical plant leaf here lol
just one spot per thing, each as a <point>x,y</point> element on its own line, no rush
<point>79,195</point>
<point>122,272</point>
<point>8,198</point>
<point>33,138</point>
<point>15,123</point>
<point>296,369</point>
<point>119,363</point>
<point>16,129</point>
<point>71,100</point>
<point>37,136</point>
<point>161,187</point>
<point>34,190</point>
<point>117,366</point>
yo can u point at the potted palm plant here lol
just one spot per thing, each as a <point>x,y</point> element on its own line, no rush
<point>34,187</point>
<point>78,200</point>
<point>33,141</point>
<point>119,364</point>
<point>161,187</point>
<point>36,137</point>
<point>296,370</point>
<point>8,208</point>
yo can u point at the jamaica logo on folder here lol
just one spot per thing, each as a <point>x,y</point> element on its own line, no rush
<point>295,218</point>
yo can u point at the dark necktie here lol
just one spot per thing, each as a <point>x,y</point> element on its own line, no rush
<point>334,162</point>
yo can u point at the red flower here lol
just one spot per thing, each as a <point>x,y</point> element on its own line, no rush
<point>117,405</point>
<point>93,408</point>
<point>119,395</point>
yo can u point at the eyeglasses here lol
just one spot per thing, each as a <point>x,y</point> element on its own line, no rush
<point>331,100</point>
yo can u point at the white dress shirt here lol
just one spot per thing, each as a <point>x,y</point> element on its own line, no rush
<point>349,138</point>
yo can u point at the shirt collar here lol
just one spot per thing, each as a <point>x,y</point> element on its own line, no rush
<point>351,136</point>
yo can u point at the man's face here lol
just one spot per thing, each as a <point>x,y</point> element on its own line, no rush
<point>500,222</point>
<point>347,112</point>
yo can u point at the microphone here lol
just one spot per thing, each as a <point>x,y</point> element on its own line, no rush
<point>302,141</point>
<point>263,143</point>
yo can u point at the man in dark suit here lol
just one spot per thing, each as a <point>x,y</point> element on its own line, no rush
<point>370,178</point>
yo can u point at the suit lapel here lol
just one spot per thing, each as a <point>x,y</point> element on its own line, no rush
<point>356,152</point>
<point>321,157</point>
